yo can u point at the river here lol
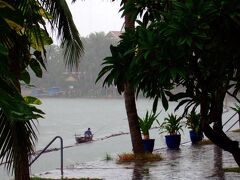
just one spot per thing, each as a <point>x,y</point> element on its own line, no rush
<point>105,117</point>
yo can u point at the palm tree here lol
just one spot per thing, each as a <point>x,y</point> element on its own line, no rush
<point>23,35</point>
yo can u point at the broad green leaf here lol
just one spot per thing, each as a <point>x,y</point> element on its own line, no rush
<point>155,104</point>
<point>164,101</point>
<point>25,77</point>
<point>39,38</point>
<point>35,66</point>
<point>38,56</point>
<point>13,25</point>
<point>32,100</point>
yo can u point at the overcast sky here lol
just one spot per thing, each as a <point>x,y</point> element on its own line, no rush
<point>92,16</point>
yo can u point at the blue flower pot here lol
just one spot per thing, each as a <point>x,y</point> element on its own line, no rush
<point>148,145</point>
<point>173,141</point>
<point>195,137</point>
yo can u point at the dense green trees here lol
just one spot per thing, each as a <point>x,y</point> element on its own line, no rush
<point>23,36</point>
<point>96,47</point>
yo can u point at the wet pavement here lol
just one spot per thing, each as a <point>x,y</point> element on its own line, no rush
<point>196,162</point>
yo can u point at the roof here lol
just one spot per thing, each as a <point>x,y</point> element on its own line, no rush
<point>70,79</point>
<point>114,34</point>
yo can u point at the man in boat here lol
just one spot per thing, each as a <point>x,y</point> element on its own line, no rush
<point>88,134</point>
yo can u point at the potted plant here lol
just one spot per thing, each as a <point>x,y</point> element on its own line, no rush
<point>172,125</point>
<point>145,124</point>
<point>193,123</point>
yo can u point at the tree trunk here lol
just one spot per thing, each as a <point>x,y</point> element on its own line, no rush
<point>129,24</point>
<point>130,104</point>
<point>20,151</point>
<point>219,138</point>
<point>216,109</point>
<point>134,128</point>
<point>21,165</point>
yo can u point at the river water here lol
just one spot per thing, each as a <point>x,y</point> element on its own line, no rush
<point>106,117</point>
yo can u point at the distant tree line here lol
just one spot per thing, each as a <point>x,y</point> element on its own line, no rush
<point>81,82</point>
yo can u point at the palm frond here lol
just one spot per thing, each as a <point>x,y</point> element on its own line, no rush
<point>67,31</point>
<point>17,128</point>
<point>30,11</point>
<point>17,140</point>
<point>10,18</point>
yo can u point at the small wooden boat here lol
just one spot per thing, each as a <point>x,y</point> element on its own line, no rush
<point>82,139</point>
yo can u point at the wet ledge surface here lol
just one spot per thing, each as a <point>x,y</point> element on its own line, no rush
<point>196,162</point>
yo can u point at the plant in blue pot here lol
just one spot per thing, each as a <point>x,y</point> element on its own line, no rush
<point>172,125</point>
<point>145,124</point>
<point>193,123</point>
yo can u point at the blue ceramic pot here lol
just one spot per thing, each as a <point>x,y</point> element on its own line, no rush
<point>195,137</point>
<point>148,145</point>
<point>173,141</point>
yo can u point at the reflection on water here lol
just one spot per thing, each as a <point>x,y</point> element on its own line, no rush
<point>218,163</point>
<point>66,117</point>
<point>137,174</point>
<point>140,171</point>
<point>188,163</point>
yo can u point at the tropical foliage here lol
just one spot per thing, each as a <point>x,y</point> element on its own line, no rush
<point>116,71</point>
<point>193,121</point>
<point>191,44</point>
<point>171,124</point>
<point>115,67</point>
<point>23,35</point>
<point>146,123</point>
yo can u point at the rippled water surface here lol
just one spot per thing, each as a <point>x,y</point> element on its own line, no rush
<point>190,162</point>
<point>66,117</point>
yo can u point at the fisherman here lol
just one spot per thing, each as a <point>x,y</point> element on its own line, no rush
<point>88,134</point>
